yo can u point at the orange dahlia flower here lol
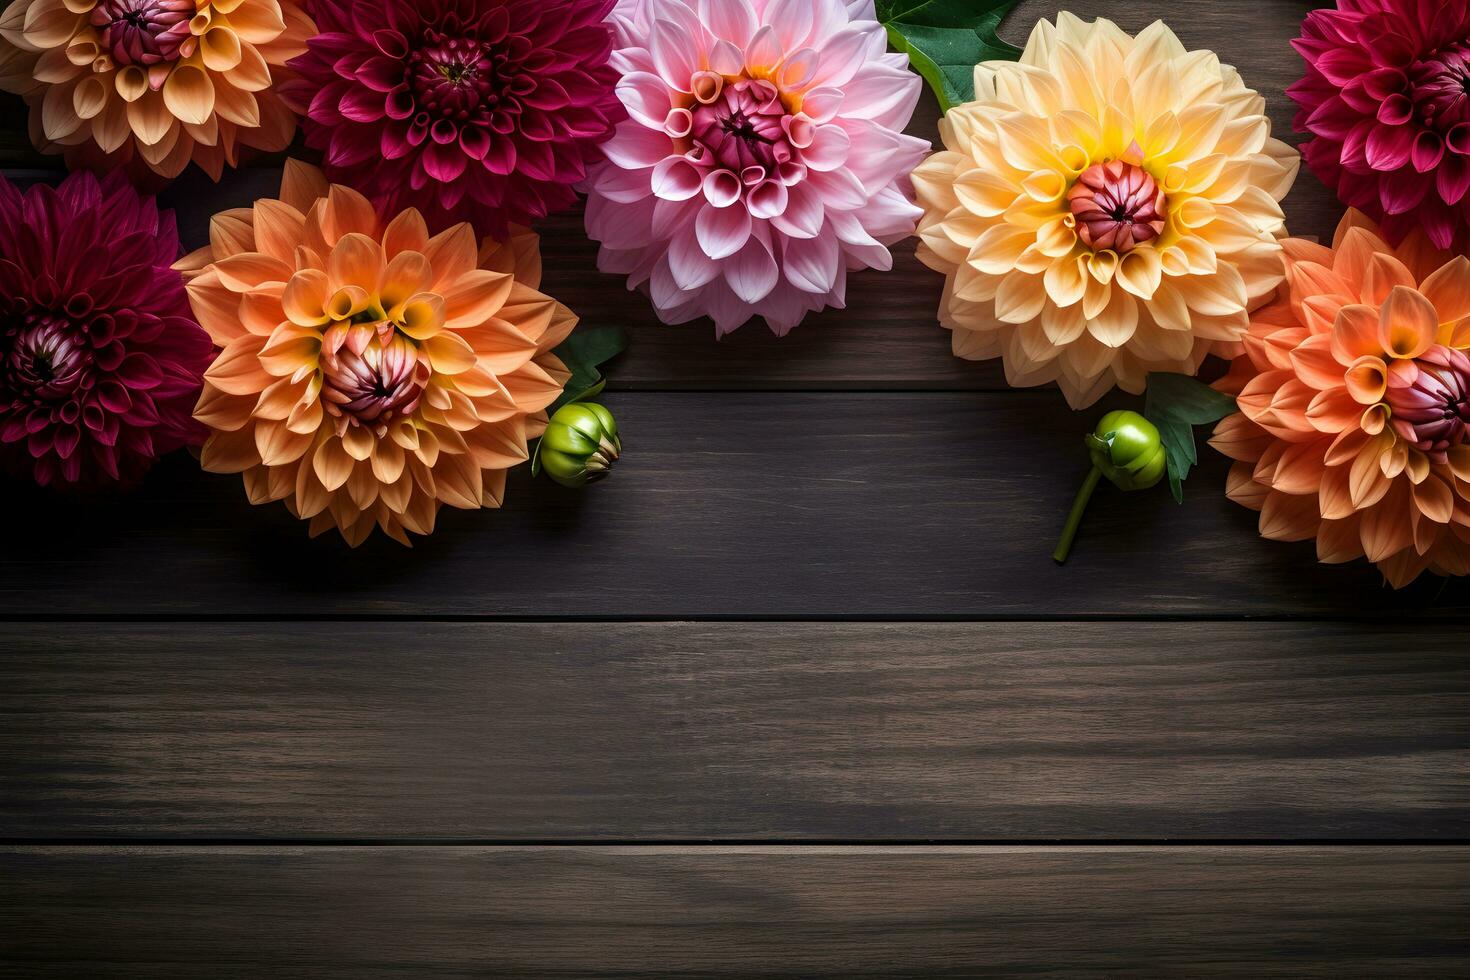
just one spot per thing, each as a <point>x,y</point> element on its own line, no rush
<point>369,373</point>
<point>1354,397</point>
<point>153,84</point>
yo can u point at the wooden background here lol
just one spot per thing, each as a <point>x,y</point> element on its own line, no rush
<point>798,692</point>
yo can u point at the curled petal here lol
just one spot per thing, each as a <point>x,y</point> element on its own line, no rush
<point>1407,323</point>
<point>722,231</point>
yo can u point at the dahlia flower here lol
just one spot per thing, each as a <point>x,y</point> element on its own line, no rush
<point>100,359</point>
<point>485,111</point>
<point>1354,396</point>
<point>370,372</point>
<point>762,158</point>
<point>1108,206</point>
<point>1386,99</point>
<point>153,84</point>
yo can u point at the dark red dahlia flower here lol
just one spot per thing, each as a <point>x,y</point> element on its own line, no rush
<point>1386,99</point>
<point>101,360</point>
<point>485,111</point>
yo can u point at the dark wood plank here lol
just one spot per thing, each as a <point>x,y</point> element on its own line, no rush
<point>725,504</point>
<point>660,731</point>
<point>735,911</point>
<point>888,337</point>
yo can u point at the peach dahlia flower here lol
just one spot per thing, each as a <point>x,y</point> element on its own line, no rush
<point>1106,207</point>
<point>153,84</point>
<point>368,371</point>
<point>1354,396</point>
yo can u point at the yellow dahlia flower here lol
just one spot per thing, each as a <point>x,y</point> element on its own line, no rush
<point>153,84</point>
<point>1106,207</point>
<point>369,373</point>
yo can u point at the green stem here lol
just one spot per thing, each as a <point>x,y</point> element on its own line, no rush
<point>1074,519</point>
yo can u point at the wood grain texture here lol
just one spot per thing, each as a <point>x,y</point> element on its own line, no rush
<point>659,731</point>
<point>735,912</point>
<point>888,336</point>
<point>725,504</point>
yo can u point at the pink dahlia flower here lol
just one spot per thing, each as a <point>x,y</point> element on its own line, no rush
<point>763,157</point>
<point>1386,99</point>
<point>485,111</point>
<point>101,361</point>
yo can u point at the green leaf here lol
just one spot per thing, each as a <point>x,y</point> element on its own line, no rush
<point>946,39</point>
<point>584,352</point>
<point>1175,404</point>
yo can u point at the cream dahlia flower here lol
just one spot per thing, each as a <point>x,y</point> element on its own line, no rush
<point>153,84</point>
<point>368,372</point>
<point>1106,207</point>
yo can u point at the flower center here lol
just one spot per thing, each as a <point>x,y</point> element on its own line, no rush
<point>742,126</point>
<point>1433,413</point>
<point>371,375</point>
<point>457,72</point>
<point>457,78</point>
<point>1117,205</point>
<point>1439,86</point>
<point>46,359</point>
<point>143,32</point>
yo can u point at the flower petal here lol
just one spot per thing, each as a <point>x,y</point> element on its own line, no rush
<point>1407,323</point>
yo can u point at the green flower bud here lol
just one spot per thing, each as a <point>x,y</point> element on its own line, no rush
<point>580,445</point>
<point>1126,448</point>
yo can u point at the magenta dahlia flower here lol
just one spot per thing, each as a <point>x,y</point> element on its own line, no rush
<point>485,111</point>
<point>101,361</point>
<point>1386,99</point>
<point>763,157</point>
